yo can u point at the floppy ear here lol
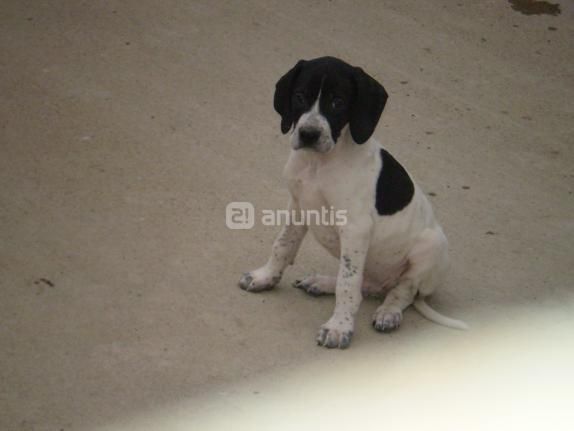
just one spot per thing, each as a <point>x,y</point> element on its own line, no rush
<point>282,98</point>
<point>368,104</point>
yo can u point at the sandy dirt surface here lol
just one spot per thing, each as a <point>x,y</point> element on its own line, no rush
<point>126,127</point>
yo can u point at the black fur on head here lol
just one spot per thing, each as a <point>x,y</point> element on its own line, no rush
<point>282,98</point>
<point>368,104</point>
<point>348,96</point>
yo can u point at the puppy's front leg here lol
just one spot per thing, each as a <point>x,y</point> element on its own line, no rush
<point>338,330</point>
<point>283,253</point>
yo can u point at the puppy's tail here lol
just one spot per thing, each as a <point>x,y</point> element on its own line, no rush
<point>434,316</point>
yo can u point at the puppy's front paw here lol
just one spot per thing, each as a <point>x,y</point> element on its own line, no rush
<point>387,320</point>
<point>259,280</point>
<point>336,333</point>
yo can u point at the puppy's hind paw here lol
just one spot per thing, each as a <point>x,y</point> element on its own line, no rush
<point>309,289</point>
<point>387,321</point>
<point>316,285</point>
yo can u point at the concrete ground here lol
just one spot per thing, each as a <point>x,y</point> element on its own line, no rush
<point>128,126</point>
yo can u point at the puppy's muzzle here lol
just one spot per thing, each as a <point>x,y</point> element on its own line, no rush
<point>308,137</point>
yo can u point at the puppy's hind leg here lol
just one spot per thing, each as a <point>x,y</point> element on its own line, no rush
<point>317,285</point>
<point>320,285</point>
<point>427,261</point>
<point>390,314</point>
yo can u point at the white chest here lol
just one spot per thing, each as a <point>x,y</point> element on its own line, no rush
<point>320,213</point>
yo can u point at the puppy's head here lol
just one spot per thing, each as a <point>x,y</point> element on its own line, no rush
<point>318,98</point>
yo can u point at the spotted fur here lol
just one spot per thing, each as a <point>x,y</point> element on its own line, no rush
<point>392,244</point>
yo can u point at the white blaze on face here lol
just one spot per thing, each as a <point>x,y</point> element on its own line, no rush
<point>313,119</point>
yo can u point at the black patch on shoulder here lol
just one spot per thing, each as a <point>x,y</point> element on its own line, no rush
<point>395,188</point>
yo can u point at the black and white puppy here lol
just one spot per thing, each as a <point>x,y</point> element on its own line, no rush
<point>391,244</point>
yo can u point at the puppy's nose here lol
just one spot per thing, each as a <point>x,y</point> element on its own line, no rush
<point>309,136</point>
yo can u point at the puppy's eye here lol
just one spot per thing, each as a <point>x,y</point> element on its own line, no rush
<point>299,99</point>
<point>337,103</point>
